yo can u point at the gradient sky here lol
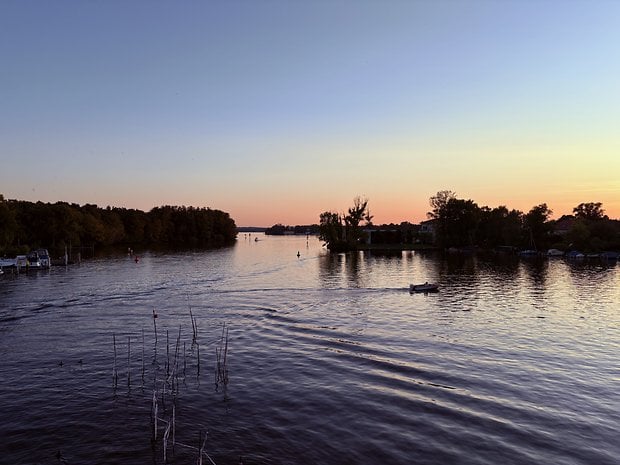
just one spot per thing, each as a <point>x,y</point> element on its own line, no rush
<point>275,111</point>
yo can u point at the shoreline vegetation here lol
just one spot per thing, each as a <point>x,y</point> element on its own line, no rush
<point>453,225</point>
<point>25,226</point>
<point>459,225</point>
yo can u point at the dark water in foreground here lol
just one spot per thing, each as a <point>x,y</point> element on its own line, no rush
<point>330,359</point>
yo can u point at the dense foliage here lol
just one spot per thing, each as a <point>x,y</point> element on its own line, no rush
<point>344,232</point>
<point>462,224</point>
<point>27,225</point>
<point>280,229</point>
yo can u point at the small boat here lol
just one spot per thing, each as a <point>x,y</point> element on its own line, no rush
<point>44,258</point>
<point>575,255</point>
<point>34,261</point>
<point>8,263</point>
<point>426,287</point>
<point>554,253</point>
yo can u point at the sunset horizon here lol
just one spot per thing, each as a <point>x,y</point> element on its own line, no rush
<point>275,111</point>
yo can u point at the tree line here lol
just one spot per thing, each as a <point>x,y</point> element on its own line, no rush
<point>279,229</point>
<point>28,225</point>
<point>461,223</point>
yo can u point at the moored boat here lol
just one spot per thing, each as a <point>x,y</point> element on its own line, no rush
<point>574,255</point>
<point>8,263</point>
<point>555,253</point>
<point>610,255</point>
<point>44,258</point>
<point>33,261</point>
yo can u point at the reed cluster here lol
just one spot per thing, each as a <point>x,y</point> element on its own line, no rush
<point>169,375</point>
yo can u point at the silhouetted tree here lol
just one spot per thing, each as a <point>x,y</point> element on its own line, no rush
<point>590,211</point>
<point>457,220</point>
<point>537,226</point>
<point>592,230</point>
<point>31,225</point>
<point>8,224</point>
<point>356,214</point>
<point>331,229</point>
<point>499,226</point>
<point>344,232</point>
<point>438,202</point>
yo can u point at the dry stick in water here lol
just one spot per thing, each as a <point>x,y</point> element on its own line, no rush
<point>167,355</point>
<point>225,372</point>
<point>218,360</point>
<point>155,413</point>
<point>202,448</point>
<point>202,451</point>
<point>221,373</point>
<point>198,351</point>
<point>184,359</point>
<point>155,325</point>
<point>114,373</point>
<point>176,349</point>
<point>129,361</point>
<point>194,329</point>
<point>142,357</point>
<point>174,426</point>
<point>163,395</point>
<point>217,368</point>
<point>176,358</point>
<point>165,439</point>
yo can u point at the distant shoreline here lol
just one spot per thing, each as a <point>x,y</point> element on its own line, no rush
<point>248,229</point>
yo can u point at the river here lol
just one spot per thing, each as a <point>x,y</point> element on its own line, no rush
<point>324,359</point>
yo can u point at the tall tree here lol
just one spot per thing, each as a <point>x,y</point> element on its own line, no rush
<point>457,223</point>
<point>331,229</point>
<point>8,224</point>
<point>500,226</point>
<point>344,232</point>
<point>590,211</point>
<point>356,214</point>
<point>438,202</point>
<point>537,226</point>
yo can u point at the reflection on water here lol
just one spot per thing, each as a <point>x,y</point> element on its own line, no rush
<point>331,359</point>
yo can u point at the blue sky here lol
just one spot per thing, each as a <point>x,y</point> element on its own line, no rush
<point>276,111</point>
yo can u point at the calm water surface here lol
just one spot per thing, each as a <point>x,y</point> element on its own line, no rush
<point>330,359</point>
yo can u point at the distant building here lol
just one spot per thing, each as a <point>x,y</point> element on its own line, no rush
<point>428,229</point>
<point>383,236</point>
<point>564,225</point>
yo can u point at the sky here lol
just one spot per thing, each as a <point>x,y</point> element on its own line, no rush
<point>275,111</point>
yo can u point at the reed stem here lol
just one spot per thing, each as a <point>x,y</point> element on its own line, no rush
<point>143,357</point>
<point>167,355</point>
<point>114,372</point>
<point>155,325</point>
<point>155,413</point>
<point>129,361</point>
